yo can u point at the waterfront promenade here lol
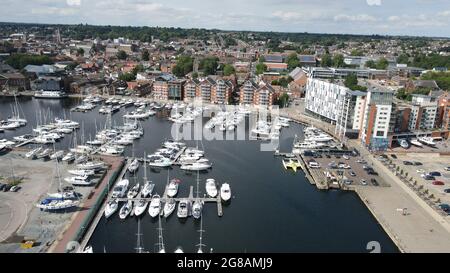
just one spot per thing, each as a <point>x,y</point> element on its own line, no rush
<point>421,230</point>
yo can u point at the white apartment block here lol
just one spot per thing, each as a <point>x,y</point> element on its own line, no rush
<point>324,98</point>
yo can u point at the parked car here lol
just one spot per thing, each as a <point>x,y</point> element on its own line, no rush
<point>445,207</point>
<point>374,182</point>
<point>417,163</point>
<point>420,170</point>
<point>15,189</point>
<point>348,182</point>
<point>363,182</point>
<point>7,187</point>
<point>438,183</point>
<point>2,186</point>
<point>352,173</point>
<point>337,156</point>
<point>447,168</point>
<point>435,173</point>
<point>394,156</point>
<point>328,156</point>
<point>447,190</point>
<point>408,163</point>
<point>427,177</point>
<point>346,157</point>
<point>372,172</point>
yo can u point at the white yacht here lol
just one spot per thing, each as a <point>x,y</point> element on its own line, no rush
<point>140,207</point>
<point>111,208</point>
<point>155,206</point>
<point>134,191</point>
<point>68,157</point>
<point>172,188</point>
<point>211,188</point>
<point>196,166</point>
<point>81,172</point>
<point>225,192</point>
<point>125,210</point>
<point>78,180</point>
<point>32,154</point>
<point>92,165</point>
<point>169,207</point>
<point>415,142</point>
<point>197,209</point>
<point>120,189</point>
<point>134,166</point>
<point>147,189</point>
<point>179,250</point>
<point>44,154</point>
<point>43,94</point>
<point>404,144</point>
<point>183,208</point>
<point>57,155</point>
<point>160,162</point>
<point>429,141</point>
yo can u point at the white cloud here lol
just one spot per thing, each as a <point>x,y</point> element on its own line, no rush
<point>354,18</point>
<point>373,2</point>
<point>73,2</point>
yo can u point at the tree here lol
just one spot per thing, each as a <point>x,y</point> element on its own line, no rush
<point>209,65</point>
<point>262,59</point>
<point>184,66</point>
<point>326,60</point>
<point>403,59</point>
<point>80,51</point>
<point>283,100</point>
<point>122,55</point>
<point>338,60</point>
<point>261,68</point>
<point>228,70</point>
<point>351,81</point>
<point>382,63</point>
<point>292,61</point>
<point>19,61</point>
<point>138,68</point>
<point>145,55</point>
<point>357,52</point>
<point>371,64</point>
<point>128,77</point>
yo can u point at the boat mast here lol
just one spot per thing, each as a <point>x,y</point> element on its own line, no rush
<point>160,237</point>
<point>139,247</point>
<point>200,244</point>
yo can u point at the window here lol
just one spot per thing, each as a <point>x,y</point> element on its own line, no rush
<point>380,133</point>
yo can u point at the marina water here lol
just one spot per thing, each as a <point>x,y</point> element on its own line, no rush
<point>272,210</point>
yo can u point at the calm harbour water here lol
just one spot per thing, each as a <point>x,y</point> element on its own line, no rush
<point>271,210</point>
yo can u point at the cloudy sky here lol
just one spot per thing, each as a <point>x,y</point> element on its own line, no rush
<point>403,17</point>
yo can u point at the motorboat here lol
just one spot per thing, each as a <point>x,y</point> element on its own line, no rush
<point>134,191</point>
<point>140,207</point>
<point>225,192</point>
<point>56,204</point>
<point>111,208</point>
<point>160,162</point>
<point>23,138</point>
<point>68,157</point>
<point>183,208</point>
<point>211,188</point>
<point>155,206</point>
<point>81,172</point>
<point>91,165</point>
<point>172,188</point>
<point>125,210</point>
<point>78,180</point>
<point>57,155</point>
<point>197,166</point>
<point>6,125</point>
<point>81,159</point>
<point>169,207</point>
<point>134,166</point>
<point>45,153</point>
<point>197,209</point>
<point>63,195</point>
<point>147,189</point>
<point>120,189</point>
<point>32,154</point>
<point>429,141</point>
<point>43,140</point>
<point>415,142</point>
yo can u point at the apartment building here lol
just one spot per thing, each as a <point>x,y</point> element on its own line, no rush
<point>209,90</point>
<point>167,87</point>
<point>423,113</point>
<point>443,120</point>
<point>324,99</point>
<point>376,122</point>
<point>261,94</point>
<point>350,117</point>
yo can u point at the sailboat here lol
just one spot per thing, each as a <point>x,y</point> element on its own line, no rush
<point>125,210</point>
<point>59,202</point>
<point>155,206</point>
<point>169,207</point>
<point>15,118</point>
<point>134,166</point>
<point>146,191</point>
<point>197,207</point>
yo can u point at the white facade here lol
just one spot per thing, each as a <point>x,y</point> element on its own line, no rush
<point>324,98</point>
<point>427,115</point>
